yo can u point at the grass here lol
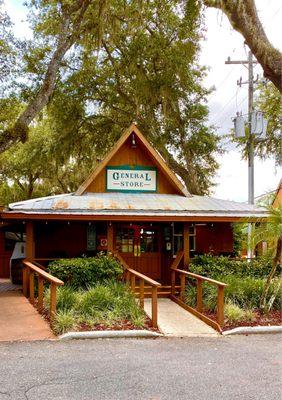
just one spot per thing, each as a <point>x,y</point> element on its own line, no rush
<point>108,304</point>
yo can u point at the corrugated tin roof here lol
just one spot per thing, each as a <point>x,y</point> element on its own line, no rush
<point>136,204</point>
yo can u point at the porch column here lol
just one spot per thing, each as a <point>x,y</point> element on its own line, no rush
<point>110,238</point>
<point>30,248</point>
<point>186,244</point>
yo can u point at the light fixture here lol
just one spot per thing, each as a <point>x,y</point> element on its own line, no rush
<point>133,142</point>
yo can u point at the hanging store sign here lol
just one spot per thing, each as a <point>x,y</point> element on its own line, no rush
<point>131,179</point>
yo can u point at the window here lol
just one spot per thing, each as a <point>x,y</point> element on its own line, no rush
<point>177,238</point>
<point>125,239</point>
<point>192,238</point>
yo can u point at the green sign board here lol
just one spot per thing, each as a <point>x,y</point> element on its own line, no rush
<point>131,179</point>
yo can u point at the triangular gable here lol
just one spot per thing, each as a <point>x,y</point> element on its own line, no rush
<point>156,159</point>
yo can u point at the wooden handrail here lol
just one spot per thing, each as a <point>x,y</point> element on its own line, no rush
<point>203,278</point>
<point>130,278</point>
<point>29,270</point>
<point>199,311</point>
<point>45,275</point>
<point>177,259</point>
<point>145,278</point>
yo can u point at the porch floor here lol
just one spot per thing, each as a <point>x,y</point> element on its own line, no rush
<point>173,320</point>
<point>19,320</point>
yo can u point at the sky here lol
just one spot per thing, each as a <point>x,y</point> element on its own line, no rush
<point>228,98</point>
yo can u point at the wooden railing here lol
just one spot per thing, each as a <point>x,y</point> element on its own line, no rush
<point>199,309</point>
<point>32,269</point>
<point>130,277</point>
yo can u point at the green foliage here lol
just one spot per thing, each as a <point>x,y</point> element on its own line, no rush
<point>269,101</point>
<point>245,292</point>
<point>239,236</point>
<point>85,272</point>
<point>107,304</point>
<point>210,266</point>
<point>131,61</point>
<point>233,313</point>
<point>64,322</point>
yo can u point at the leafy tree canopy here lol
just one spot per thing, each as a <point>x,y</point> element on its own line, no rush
<point>132,61</point>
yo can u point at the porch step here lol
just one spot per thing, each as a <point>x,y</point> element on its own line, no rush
<point>163,291</point>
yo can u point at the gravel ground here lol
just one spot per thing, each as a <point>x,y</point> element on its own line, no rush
<point>238,367</point>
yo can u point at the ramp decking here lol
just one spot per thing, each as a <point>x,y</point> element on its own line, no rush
<point>173,320</point>
<point>19,320</point>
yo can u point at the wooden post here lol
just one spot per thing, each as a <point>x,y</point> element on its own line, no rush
<point>154,306</point>
<point>40,294</point>
<point>127,276</point>
<point>173,282</point>
<point>141,293</point>
<point>220,305</point>
<point>110,238</point>
<point>31,287</point>
<point>199,295</point>
<point>132,283</point>
<point>25,281</point>
<point>186,245</point>
<point>29,250</point>
<point>53,300</point>
<point>182,286</point>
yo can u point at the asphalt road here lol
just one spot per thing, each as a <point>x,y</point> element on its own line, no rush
<point>242,367</point>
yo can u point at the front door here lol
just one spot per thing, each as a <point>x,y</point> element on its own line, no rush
<point>139,245</point>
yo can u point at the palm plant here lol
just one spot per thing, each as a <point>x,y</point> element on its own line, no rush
<point>271,233</point>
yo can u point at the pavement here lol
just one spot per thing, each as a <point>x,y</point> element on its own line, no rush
<point>222,368</point>
<point>173,320</point>
<point>19,320</point>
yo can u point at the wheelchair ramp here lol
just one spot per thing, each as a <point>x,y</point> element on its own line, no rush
<point>173,320</point>
<point>19,320</point>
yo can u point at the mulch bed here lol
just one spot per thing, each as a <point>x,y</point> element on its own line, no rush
<point>261,319</point>
<point>119,326</point>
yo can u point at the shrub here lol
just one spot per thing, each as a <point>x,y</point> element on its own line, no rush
<point>63,322</point>
<point>212,267</point>
<point>85,272</point>
<point>234,313</point>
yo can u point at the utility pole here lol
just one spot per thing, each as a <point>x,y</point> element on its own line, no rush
<point>250,145</point>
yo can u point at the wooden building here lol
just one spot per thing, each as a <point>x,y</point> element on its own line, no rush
<point>133,204</point>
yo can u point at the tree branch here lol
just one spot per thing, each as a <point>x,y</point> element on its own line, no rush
<point>243,17</point>
<point>19,131</point>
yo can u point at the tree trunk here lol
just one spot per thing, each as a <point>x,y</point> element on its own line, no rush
<point>19,131</point>
<point>242,15</point>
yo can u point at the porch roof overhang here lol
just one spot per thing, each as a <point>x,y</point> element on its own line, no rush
<point>129,206</point>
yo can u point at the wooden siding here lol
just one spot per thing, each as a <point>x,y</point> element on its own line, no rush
<point>5,256</point>
<point>127,155</point>
<point>214,238</point>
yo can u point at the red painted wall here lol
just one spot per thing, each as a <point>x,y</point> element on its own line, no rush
<point>214,238</point>
<point>4,258</point>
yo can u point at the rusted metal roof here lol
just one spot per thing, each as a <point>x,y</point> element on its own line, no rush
<point>136,204</point>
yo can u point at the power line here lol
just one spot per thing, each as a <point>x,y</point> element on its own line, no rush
<point>226,104</point>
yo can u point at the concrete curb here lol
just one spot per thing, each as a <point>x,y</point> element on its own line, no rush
<point>247,330</point>
<point>109,334</point>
